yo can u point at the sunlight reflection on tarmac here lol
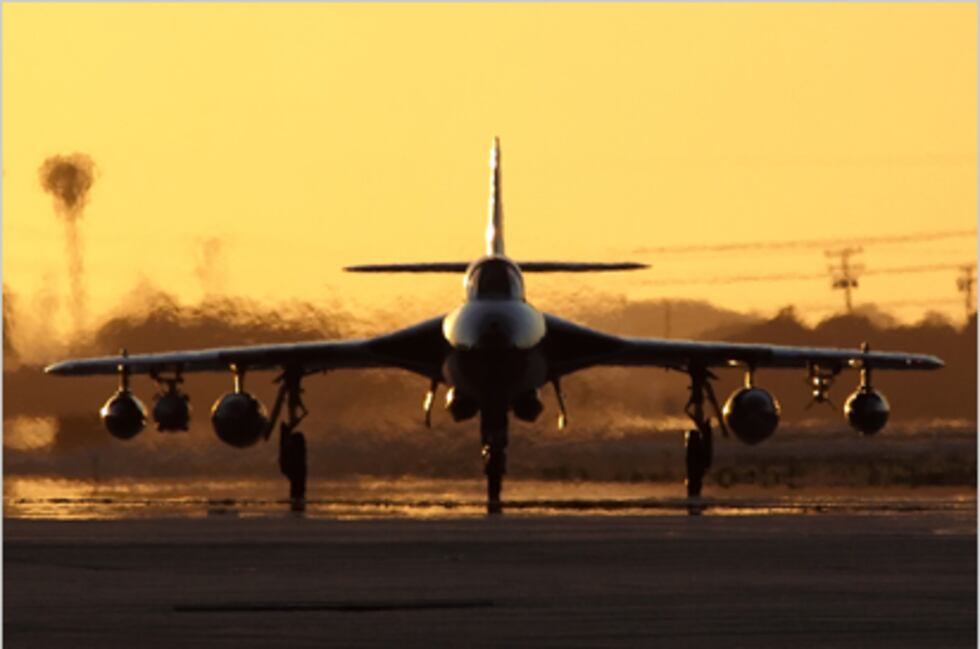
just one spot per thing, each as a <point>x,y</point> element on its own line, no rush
<point>365,498</point>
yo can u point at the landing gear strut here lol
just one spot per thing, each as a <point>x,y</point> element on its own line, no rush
<point>698,443</point>
<point>493,436</point>
<point>292,443</point>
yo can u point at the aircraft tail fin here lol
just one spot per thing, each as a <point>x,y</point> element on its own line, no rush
<point>495,243</point>
<point>495,222</point>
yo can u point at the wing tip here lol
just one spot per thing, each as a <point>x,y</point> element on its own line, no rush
<point>924,362</point>
<point>57,368</point>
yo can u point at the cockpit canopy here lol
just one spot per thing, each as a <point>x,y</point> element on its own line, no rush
<point>494,278</point>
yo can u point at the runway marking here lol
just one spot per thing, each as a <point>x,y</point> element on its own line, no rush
<point>341,607</point>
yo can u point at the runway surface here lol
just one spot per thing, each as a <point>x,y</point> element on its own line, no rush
<point>877,578</point>
<point>414,497</point>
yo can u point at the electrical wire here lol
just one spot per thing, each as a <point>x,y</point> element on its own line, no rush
<point>782,277</point>
<point>805,243</point>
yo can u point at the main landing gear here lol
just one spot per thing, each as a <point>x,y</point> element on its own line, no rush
<point>292,443</point>
<point>493,436</point>
<point>698,443</point>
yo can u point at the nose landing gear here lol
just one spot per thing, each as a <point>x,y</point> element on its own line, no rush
<point>493,436</point>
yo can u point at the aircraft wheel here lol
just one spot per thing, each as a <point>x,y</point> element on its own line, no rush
<point>494,465</point>
<point>294,464</point>
<point>695,457</point>
<point>493,435</point>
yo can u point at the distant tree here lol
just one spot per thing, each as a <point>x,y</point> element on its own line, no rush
<point>935,319</point>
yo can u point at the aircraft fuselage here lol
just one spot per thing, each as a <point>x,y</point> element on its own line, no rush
<point>495,336</point>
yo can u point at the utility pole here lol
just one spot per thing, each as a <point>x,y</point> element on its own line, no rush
<point>966,282</point>
<point>844,276</point>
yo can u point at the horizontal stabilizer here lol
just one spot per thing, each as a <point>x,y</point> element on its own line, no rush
<point>526,266</point>
<point>577,266</point>
<point>433,267</point>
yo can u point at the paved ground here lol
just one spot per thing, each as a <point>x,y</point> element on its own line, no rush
<point>900,580</point>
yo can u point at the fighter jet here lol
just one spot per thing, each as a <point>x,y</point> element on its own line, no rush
<point>494,352</point>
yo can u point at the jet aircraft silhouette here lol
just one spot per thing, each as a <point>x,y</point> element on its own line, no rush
<point>494,352</point>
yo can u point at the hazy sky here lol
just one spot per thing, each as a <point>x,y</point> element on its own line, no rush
<point>256,149</point>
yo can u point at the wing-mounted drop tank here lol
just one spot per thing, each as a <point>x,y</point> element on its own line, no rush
<point>123,415</point>
<point>866,409</point>
<point>238,418</point>
<point>751,412</point>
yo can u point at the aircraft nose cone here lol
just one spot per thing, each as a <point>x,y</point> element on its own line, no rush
<point>496,334</point>
<point>494,325</point>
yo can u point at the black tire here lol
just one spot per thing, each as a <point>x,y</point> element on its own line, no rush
<point>493,436</point>
<point>695,463</point>
<point>494,465</point>
<point>294,465</point>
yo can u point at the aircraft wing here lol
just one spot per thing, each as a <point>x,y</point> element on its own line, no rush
<point>570,347</point>
<point>420,348</point>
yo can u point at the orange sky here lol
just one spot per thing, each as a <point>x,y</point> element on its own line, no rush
<point>307,137</point>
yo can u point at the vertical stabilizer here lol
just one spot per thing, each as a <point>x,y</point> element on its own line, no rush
<point>495,243</point>
<point>495,224</point>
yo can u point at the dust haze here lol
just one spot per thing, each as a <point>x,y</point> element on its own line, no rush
<point>68,179</point>
<point>209,269</point>
<point>624,422</point>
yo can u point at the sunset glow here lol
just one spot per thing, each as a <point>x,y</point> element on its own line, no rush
<point>256,149</point>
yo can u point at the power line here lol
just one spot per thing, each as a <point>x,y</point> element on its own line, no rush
<point>805,243</point>
<point>782,277</point>
<point>733,279</point>
<point>921,268</point>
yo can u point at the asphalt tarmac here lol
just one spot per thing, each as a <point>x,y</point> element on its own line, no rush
<point>827,580</point>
